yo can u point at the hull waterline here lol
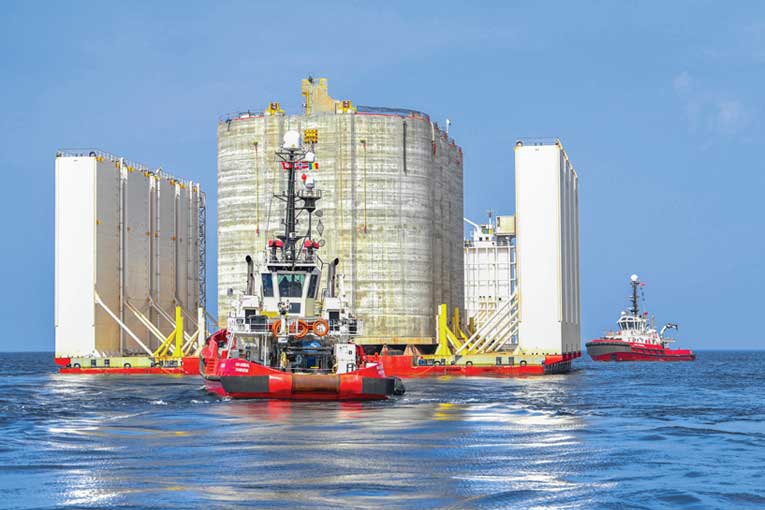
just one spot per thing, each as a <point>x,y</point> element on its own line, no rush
<point>408,367</point>
<point>241,379</point>
<point>605,349</point>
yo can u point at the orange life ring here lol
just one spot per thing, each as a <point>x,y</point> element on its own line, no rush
<point>302,329</point>
<point>320,327</point>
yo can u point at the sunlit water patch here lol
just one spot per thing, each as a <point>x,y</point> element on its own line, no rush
<point>687,435</point>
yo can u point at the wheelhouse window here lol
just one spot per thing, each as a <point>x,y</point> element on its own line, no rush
<point>291,285</point>
<point>312,286</point>
<point>267,284</point>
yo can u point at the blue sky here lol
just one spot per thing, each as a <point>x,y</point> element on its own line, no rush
<point>659,105</point>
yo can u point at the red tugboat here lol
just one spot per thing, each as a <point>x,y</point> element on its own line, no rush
<point>285,340</point>
<point>636,339</point>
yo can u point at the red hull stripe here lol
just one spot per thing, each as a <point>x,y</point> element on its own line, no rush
<point>604,349</point>
<point>406,367</point>
<point>238,378</point>
<point>189,366</point>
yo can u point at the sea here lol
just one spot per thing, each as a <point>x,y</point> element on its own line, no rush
<point>606,435</point>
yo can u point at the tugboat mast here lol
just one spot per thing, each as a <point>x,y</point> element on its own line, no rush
<point>635,282</point>
<point>294,157</point>
<point>290,156</point>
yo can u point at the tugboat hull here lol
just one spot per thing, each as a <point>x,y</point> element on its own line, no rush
<point>604,349</point>
<point>241,379</point>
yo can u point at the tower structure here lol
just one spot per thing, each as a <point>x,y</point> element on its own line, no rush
<point>547,229</point>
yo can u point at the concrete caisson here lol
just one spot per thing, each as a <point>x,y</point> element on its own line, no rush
<point>392,207</point>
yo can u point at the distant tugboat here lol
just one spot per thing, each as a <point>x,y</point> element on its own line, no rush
<point>636,339</point>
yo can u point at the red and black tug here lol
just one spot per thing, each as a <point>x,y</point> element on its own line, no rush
<point>284,339</point>
<point>636,339</point>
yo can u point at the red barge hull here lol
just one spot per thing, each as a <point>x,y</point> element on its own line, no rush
<point>409,367</point>
<point>604,349</point>
<point>188,365</point>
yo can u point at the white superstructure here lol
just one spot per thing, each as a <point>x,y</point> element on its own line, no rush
<point>547,229</point>
<point>129,247</point>
<point>489,266</point>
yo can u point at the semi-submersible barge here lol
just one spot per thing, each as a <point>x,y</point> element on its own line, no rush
<point>392,211</point>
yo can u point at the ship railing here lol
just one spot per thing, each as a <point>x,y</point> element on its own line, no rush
<point>257,326</point>
<point>538,140</point>
<point>101,155</point>
<point>354,327</point>
<point>309,193</point>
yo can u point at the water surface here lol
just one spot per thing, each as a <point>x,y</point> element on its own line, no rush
<point>626,436</point>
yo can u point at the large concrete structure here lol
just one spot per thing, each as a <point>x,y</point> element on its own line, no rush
<point>129,248</point>
<point>547,228</point>
<point>392,207</point>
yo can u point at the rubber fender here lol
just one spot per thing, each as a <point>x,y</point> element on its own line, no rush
<point>398,386</point>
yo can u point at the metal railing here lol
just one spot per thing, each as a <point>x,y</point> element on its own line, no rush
<point>101,155</point>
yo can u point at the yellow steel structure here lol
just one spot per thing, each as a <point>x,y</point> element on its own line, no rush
<point>274,109</point>
<point>311,136</point>
<point>175,337</point>
<point>457,347</point>
<point>446,338</point>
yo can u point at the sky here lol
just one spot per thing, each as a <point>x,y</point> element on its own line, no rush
<point>658,104</point>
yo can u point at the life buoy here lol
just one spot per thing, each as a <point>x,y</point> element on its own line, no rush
<point>302,329</point>
<point>320,327</point>
<point>276,328</point>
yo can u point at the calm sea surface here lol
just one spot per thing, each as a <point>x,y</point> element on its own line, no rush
<point>651,435</point>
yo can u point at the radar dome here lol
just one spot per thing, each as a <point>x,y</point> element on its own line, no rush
<point>291,140</point>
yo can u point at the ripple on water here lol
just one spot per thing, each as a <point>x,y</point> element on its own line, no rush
<point>604,436</point>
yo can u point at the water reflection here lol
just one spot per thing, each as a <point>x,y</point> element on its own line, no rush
<point>552,442</point>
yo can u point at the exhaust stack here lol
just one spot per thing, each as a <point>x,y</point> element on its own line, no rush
<point>250,276</point>
<point>331,276</point>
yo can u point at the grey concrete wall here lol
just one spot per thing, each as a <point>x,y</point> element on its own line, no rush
<point>393,206</point>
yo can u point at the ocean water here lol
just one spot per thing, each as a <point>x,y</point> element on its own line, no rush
<point>621,436</point>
